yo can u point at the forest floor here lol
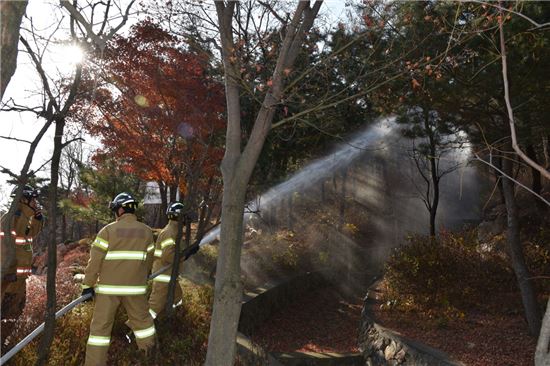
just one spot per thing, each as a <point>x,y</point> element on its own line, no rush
<point>493,334</point>
<point>319,321</point>
<point>327,322</point>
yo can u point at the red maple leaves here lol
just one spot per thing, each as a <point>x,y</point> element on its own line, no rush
<point>160,113</point>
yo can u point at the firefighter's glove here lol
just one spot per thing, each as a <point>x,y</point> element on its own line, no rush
<point>192,250</point>
<point>38,215</point>
<point>88,290</point>
<point>10,277</point>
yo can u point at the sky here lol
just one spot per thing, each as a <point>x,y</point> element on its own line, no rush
<point>59,60</point>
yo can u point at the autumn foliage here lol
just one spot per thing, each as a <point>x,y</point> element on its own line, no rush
<point>160,112</point>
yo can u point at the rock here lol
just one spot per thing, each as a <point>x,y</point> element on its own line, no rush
<point>379,343</point>
<point>62,248</point>
<point>488,229</point>
<point>400,356</point>
<point>390,351</point>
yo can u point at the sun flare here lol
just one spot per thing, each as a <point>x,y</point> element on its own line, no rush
<point>70,55</point>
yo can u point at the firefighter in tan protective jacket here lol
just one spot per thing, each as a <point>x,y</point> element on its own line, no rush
<point>120,260</point>
<point>165,249</point>
<point>26,224</point>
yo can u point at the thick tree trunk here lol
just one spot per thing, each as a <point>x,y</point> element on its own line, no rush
<point>237,167</point>
<point>515,250</point>
<point>11,14</point>
<point>49,327</point>
<point>542,353</point>
<point>228,288</point>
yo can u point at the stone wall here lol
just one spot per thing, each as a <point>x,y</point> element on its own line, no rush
<point>381,346</point>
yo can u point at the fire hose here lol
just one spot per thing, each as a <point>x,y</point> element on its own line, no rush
<point>186,253</point>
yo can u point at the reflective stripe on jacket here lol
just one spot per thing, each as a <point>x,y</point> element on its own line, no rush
<point>165,248</point>
<point>120,258</point>
<point>23,228</point>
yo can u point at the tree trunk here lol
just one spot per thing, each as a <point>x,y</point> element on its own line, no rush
<point>515,250</point>
<point>536,182</point>
<point>546,151</point>
<point>498,176</point>
<point>434,172</point>
<point>341,216</point>
<point>228,287</point>
<point>163,191</point>
<point>49,327</point>
<point>289,218</point>
<point>542,353</point>
<point>237,166</point>
<point>172,191</point>
<point>11,14</point>
<point>63,228</point>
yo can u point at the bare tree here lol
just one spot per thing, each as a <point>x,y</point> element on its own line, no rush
<point>237,167</point>
<point>71,158</point>
<point>509,109</point>
<point>58,96</point>
<point>11,14</point>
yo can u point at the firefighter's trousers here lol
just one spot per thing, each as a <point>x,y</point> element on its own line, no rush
<point>105,309</point>
<point>13,303</point>
<point>159,294</point>
<point>23,256</point>
<point>14,298</point>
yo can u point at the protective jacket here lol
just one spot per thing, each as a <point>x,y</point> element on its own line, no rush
<point>165,250</point>
<point>26,224</point>
<point>120,258</point>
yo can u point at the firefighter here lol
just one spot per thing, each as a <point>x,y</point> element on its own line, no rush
<point>26,224</point>
<point>120,260</point>
<point>165,249</point>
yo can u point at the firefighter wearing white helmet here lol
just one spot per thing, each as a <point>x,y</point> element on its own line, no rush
<point>27,222</point>
<point>165,249</point>
<point>120,260</point>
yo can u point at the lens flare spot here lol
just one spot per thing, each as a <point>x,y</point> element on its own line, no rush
<point>141,101</point>
<point>185,130</point>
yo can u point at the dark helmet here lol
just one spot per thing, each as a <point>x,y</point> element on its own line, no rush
<point>174,210</point>
<point>124,200</point>
<point>28,192</point>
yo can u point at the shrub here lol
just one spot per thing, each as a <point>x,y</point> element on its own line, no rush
<point>448,272</point>
<point>182,338</point>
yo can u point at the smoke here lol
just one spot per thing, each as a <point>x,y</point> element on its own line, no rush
<point>347,210</point>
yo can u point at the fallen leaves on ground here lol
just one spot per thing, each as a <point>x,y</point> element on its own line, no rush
<point>320,321</point>
<point>489,335</point>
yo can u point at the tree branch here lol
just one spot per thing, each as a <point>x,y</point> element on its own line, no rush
<point>512,179</point>
<point>515,145</point>
<point>14,139</point>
